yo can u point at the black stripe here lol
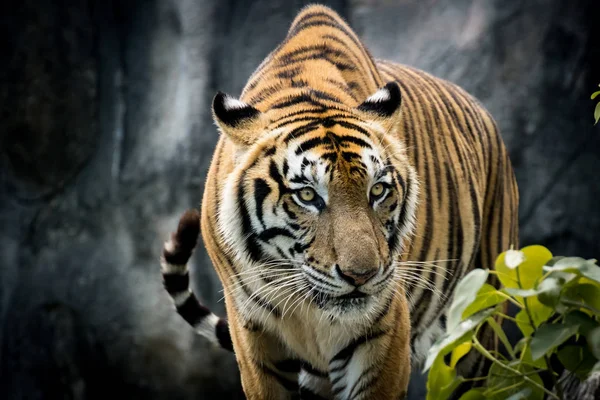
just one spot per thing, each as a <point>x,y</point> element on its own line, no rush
<point>192,311</point>
<point>289,57</point>
<point>176,283</point>
<point>349,49</point>
<point>288,366</point>
<point>349,156</point>
<point>253,248</point>
<point>310,144</point>
<point>276,176</point>
<point>178,256</point>
<point>352,139</point>
<point>363,387</point>
<point>270,233</point>
<point>290,73</point>
<point>300,25</point>
<point>264,93</point>
<point>294,100</point>
<point>311,118</point>
<point>338,390</point>
<point>286,208</point>
<point>360,383</point>
<point>261,191</point>
<point>286,383</point>
<point>322,55</point>
<point>343,87</point>
<point>384,311</point>
<point>348,351</point>
<point>300,131</point>
<point>223,335</point>
<point>306,367</point>
<point>325,283</point>
<point>307,394</point>
<point>339,368</point>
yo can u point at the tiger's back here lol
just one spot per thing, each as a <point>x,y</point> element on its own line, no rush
<point>468,212</point>
<point>450,205</point>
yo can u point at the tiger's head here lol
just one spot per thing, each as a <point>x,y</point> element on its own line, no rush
<point>321,201</point>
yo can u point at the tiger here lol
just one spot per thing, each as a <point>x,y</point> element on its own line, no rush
<point>337,180</point>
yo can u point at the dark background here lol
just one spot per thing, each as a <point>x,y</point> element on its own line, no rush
<point>106,137</point>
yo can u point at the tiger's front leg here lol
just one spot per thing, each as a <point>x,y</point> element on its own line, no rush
<point>264,365</point>
<point>376,365</point>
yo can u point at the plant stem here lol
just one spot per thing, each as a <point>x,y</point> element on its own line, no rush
<point>581,305</point>
<point>508,317</point>
<point>506,388</point>
<point>546,359</point>
<point>522,373</point>
<point>479,347</point>
<point>507,297</point>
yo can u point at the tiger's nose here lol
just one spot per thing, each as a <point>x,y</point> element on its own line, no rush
<point>355,278</point>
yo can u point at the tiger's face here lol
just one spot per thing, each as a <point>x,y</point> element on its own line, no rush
<point>317,209</point>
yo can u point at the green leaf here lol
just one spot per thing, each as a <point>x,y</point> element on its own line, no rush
<point>549,290</point>
<point>585,322</point>
<point>548,336</point>
<point>577,359</point>
<point>553,260</point>
<point>449,340</point>
<point>577,265</point>
<point>441,381</point>
<point>595,94</point>
<point>459,352</point>
<point>539,313</point>
<point>473,394</point>
<point>524,323</point>
<point>530,270</point>
<point>464,294</point>
<point>521,394</point>
<point>514,292</point>
<point>597,113</point>
<point>527,359</point>
<point>587,293</point>
<point>487,297</point>
<point>520,344</point>
<point>571,356</point>
<point>593,339</point>
<point>502,383</point>
<point>501,335</point>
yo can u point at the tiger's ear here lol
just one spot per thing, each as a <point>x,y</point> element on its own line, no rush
<point>383,105</point>
<point>241,122</point>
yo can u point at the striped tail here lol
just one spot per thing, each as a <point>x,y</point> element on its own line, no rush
<point>176,279</point>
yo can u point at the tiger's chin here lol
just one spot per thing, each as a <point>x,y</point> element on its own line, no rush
<point>349,308</point>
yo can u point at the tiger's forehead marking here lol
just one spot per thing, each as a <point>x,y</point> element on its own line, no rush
<point>313,160</point>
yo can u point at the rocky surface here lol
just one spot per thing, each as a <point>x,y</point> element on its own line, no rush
<point>105,138</point>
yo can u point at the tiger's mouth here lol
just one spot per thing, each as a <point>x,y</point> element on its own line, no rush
<point>355,294</point>
<point>345,302</point>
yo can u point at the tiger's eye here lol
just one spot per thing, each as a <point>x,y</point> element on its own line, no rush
<point>307,194</point>
<point>377,190</point>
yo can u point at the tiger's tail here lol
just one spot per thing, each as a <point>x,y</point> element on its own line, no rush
<point>176,280</point>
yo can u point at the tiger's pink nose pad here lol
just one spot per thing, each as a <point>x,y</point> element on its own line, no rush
<point>355,278</point>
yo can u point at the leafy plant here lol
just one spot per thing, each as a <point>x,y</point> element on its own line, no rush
<point>597,109</point>
<point>558,299</point>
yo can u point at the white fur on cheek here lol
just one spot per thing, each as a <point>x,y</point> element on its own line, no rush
<point>229,219</point>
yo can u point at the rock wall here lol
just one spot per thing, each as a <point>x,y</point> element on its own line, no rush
<point>106,136</point>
